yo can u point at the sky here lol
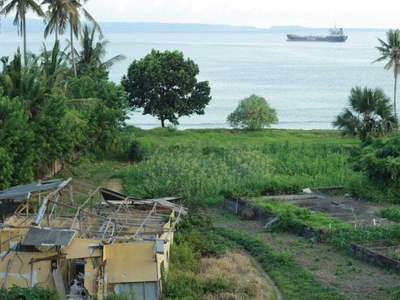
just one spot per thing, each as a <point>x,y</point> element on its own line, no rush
<point>257,13</point>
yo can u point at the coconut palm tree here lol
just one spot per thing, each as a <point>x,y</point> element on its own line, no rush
<point>75,26</point>
<point>57,16</point>
<point>93,53</point>
<point>21,7</point>
<point>369,112</point>
<point>390,51</point>
<point>64,13</point>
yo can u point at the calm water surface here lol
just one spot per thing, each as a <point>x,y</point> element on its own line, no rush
<point>307,83</point>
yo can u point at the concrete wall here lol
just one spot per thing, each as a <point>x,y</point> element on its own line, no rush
<point>373,257</point>
<point>239,207</point>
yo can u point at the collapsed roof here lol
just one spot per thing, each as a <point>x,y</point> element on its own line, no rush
<point>56,211</point>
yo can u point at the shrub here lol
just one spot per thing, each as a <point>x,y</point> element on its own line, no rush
<point>253,113</point>
<point>137,152</point>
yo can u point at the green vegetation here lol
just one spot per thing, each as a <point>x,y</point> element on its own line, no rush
<point>36,293</point>
<point>47,114</point>
<point>390,51</point>
<point>164,84</point>
<point>388,235</point>
<point>61,106</point>
<point>391,213</point>
<point>294,281</point>
<point>253,113</point>
<point>294,218</point>
<point>369,112</point>
<point>378,160</point>
<point>212,169</point>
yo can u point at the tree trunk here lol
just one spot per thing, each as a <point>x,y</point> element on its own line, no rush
<point>71,24</point>
<point>162,122</point>
<point>394,97</point>
<point>57,28</point>
<point>24,33</point>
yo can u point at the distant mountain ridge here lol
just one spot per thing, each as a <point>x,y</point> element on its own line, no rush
<point>38,25</point>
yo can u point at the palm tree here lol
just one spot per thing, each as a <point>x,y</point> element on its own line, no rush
<point>92,52</point>
<point>22,7</point>
<point>75,26</point>
<point>390,50</point>
<point>64,13</point>
<point>57,16</point>
<point>370,112</point>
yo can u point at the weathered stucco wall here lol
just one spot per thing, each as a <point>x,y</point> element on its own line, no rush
<point>16,269</point>
<point>130,262</point>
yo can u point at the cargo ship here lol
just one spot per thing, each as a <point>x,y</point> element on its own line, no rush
<point>336,35</point>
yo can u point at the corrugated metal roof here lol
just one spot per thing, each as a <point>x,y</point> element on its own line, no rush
<point>48,236</point>
<point>22,192</point>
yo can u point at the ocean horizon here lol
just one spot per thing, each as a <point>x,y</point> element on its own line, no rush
<point>308,83</point>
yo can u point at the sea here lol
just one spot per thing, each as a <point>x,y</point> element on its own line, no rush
<point>307,83</point>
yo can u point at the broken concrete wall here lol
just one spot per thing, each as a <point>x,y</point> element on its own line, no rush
<point>373,257</point>
<point>241,207</point>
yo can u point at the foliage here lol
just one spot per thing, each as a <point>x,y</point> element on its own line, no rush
<point>16,139</point>
<point>194,241</point>
<point>390,234</point>
<point>46,115</point>
<point>294,218</point>
<point>369,112</point>
<point>91,56</point>
<point>379,162</point>
<point>294,282</point>
<point>137,152</point>
<point>36,293</point>
<point>21,7</point>
<point>164,84</point>
<point>391,213</point>
<point>390,51</point>
<point>208,169</point>
<point>253,113</point>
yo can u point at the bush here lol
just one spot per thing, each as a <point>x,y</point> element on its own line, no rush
<point>253,113</point>
<point>137,152</point>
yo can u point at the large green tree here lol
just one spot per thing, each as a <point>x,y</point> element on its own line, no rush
<point>21,7</point>
<point>369,112</point>
<point>253,113</point>
<point>390,52</point>
<point>164,84</point>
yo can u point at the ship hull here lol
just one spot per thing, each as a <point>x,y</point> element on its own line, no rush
<point>311,38</point>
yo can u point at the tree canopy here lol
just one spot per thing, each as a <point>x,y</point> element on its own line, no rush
<point>253,113</point>
<point>369,112</point>
<point>164,85</point>
<point>390,52</point>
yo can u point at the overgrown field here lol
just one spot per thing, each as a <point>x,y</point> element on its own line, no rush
<point>219,164</point>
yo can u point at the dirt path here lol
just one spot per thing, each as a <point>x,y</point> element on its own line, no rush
<point>267,277</point>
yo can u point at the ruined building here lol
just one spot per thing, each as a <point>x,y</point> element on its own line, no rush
<point>85,241</point>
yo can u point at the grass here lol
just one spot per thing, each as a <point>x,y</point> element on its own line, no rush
<point>204,164</point>
<point>295,282</point>
<point>229,136</point>
<point>294,218</point>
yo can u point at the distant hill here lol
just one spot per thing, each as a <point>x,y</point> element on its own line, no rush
<point>38,25</point>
